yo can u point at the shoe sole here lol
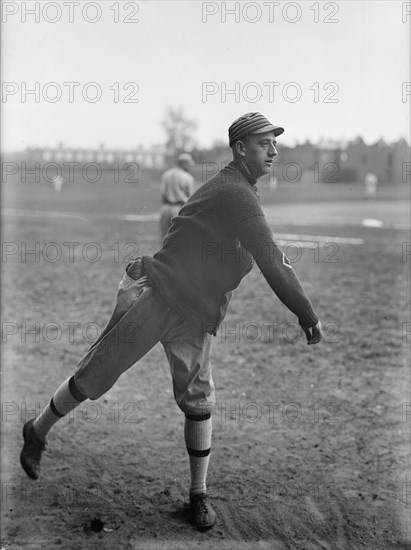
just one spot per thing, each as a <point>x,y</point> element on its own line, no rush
<point>205,527</point>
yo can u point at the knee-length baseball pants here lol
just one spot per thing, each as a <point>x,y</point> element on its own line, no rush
<point>141,319</point>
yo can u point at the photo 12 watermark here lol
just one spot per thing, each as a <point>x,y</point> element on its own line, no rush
<point>271,412</point>
<point>405,412</point>
<point>406,12</point>
<point>268,333</point>
<point>46,493</point>
<point>69,251</point>
<point>271,12</point>
<point>406,172</point>
<point>289,172</point>
<point>69,332</point>
<point>406,252</point>
<point>51,332</point>
<point>286,251</point>
<point>251,493</point>
<point>406,92</point>
<point>103,11</point>
<point>69,92</point>
<point>58,174</point>
<point>90,411</point>
<point>406,332</point>
<point>269,91</point>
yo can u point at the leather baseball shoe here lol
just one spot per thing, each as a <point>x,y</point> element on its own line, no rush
<point>30,456</point>
<point>204,516</point>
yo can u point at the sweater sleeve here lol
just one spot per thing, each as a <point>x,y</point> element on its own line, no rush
<point>256,236</point>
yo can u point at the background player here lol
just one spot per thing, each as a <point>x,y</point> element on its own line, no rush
<point>177,184</point>
<point>370,183</point>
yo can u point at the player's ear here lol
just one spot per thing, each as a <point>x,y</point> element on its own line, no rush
<point>240,148</point>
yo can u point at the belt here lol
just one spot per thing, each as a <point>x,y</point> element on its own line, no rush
<point>179,203</point>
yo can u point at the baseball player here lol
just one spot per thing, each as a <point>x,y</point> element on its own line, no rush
<point>58,183</point>
<point>179,297</point>
<point>370,182</point>
<point>177,184</point>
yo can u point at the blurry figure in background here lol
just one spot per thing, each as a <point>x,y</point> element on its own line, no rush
<point>177,184</point>
<point>273,183</point>
<point>371,182</point>
<point>57,183</point>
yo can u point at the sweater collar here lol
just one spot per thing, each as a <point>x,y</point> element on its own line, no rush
<point>240,165</point>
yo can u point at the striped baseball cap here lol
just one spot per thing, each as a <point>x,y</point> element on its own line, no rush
<point>251,123</point>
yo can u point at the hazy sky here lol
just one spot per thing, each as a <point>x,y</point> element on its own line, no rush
<point>357,68</point>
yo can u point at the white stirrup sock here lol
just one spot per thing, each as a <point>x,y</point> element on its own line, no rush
<point>197,434</point>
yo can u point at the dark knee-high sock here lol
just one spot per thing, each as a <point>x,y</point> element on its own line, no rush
<point>197,433</point>
<point>66,398</point>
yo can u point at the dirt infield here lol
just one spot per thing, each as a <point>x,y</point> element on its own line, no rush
<point>310,444</point>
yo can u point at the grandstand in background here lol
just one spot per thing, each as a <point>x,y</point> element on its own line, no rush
<point>153,157</point>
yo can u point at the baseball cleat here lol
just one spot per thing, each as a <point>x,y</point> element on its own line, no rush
<point>203,514</point>
<point>30,455</point>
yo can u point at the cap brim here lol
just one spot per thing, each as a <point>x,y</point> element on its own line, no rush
<point>270,128</point>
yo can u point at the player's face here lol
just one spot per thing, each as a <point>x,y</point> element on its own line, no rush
<point>186,165</point>
<point>259,152</point>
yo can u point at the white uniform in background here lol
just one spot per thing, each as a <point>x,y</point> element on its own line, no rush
<point>371,182</point>
<point>58,183</point>
<point>176,187</point>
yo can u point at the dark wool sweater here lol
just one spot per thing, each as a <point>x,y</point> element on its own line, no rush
<point>210,247</point>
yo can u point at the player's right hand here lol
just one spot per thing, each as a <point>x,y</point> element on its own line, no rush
<point>314,334</point>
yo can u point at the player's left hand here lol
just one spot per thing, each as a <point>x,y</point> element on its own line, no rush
<point>314,334</point>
